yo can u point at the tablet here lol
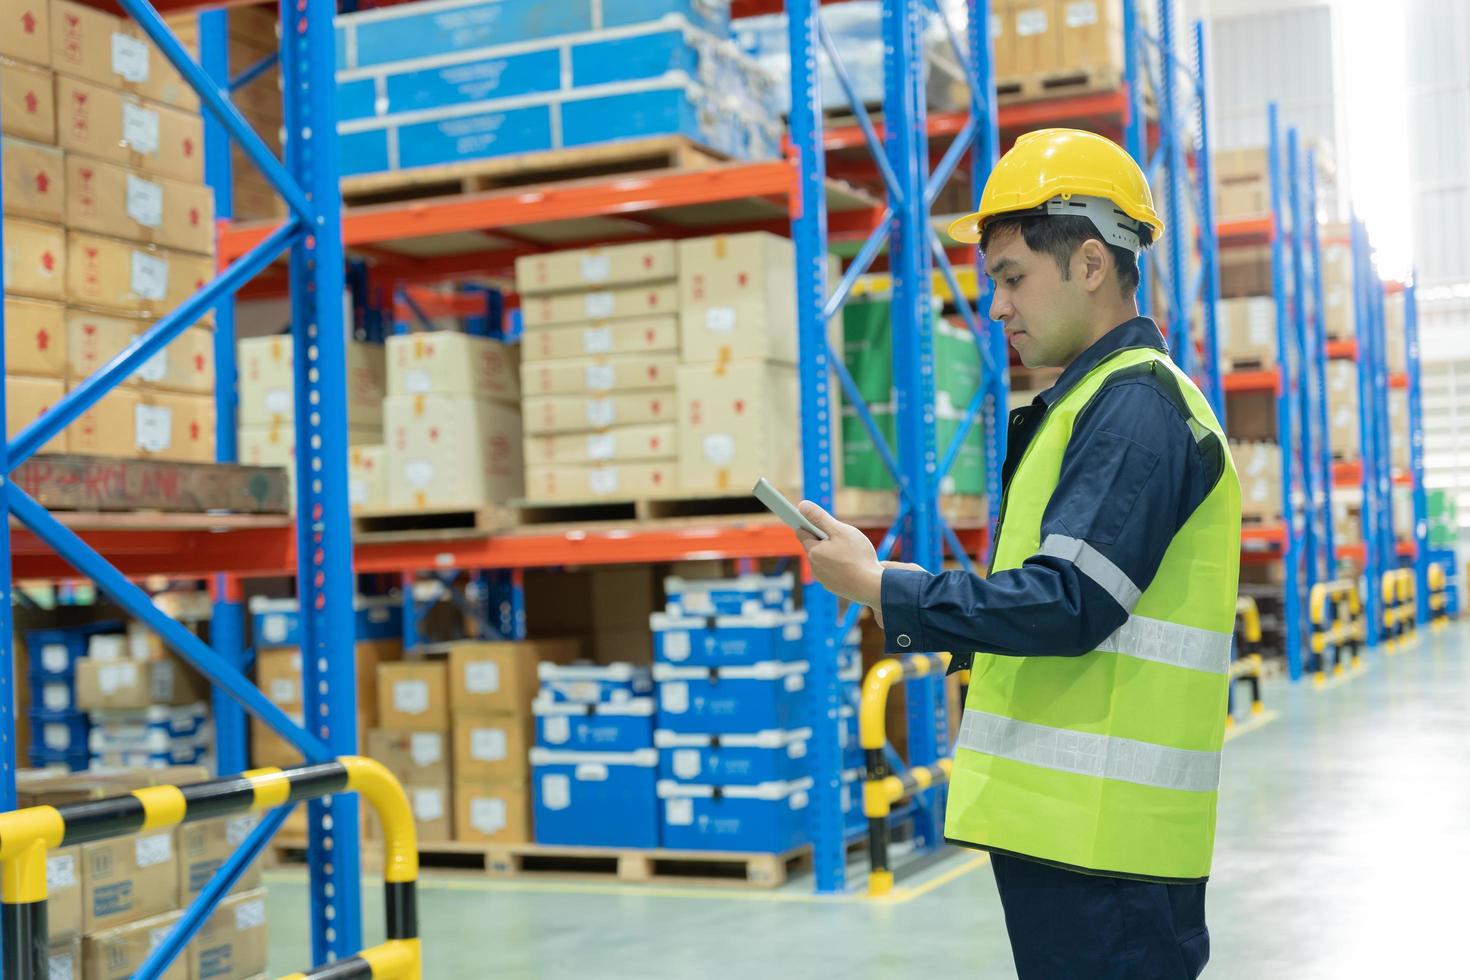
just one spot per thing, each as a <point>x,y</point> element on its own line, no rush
<point>785,509</point>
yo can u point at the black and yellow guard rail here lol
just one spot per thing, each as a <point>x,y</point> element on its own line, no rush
<point>26,835</point>
<point>1247,665</point>
<point>1400,610</point>
<point>1339,627</point>
<point>1439,597</point>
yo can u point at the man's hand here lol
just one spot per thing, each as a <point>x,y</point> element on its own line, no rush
<point>846,562</point>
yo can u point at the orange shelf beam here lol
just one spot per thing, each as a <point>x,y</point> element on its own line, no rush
<point>1359,553</point>
<point>1343,350</point>
<point>1398,381</point>
<point>1263,534</point>
<point>1348,473</point>
<point>1243,381</point>
<point>1248,231</point>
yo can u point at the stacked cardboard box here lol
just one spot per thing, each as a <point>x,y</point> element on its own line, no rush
<point>413,741</point>
<point>453,422</point>
<point>1396,345</point>
<point>1399,434</point>
<point>737,378</point>
<point>1338,309</point>
<point>1050,37</point>
<point>1247,332</point>
<point>1342,409</point>
<point>1259,467</point>
<point>598,371</point>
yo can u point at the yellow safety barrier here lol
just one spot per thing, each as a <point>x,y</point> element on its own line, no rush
<point>882,788</point>
<point>1247,665</point>
<point>1335,610</point>
<point>1439,598</point>
<point>1400,613</point>
<point>26,835</point>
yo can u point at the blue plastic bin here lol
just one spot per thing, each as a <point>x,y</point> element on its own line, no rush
<point>53,693</point>
<point>733,760</point>
<point>770,818</point>
<point>60,731</point>
<point>729,596</point>
<point>727,641</point>
<point>731,700</point>
<point>595,799</point>
<point>593,683</point>
<point>622,727</point>
<point>277,622</point>
<point>54,652</point>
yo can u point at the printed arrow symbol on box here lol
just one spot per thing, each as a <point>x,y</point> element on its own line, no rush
<point>28,21</point>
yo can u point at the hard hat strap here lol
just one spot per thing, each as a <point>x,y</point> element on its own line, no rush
<point>1116,227</point>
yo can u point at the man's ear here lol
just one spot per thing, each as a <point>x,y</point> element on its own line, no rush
<point>1093,265</point>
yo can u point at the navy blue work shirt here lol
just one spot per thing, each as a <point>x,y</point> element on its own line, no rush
<point>1131,475</point>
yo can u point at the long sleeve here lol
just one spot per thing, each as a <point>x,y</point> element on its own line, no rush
<point>1131,475</point>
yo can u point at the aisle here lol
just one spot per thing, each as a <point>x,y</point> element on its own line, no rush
<point>1342,850</point>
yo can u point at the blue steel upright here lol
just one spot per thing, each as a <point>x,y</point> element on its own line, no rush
<point>1318,366</point>
<point>325,583</point>
<point>809,234</point>
<point>1416,453</point>
<point>1209,243</point>
<point>1301,351</point>
<point>1181,343</point>
<point>1374,561</point>
<point>1135,128</point>
<point>7,624</point>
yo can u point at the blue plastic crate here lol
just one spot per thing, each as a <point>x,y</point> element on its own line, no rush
<point>74,759</point>
<point>426,30</point>
<point>277,622</point>
<point>184,756</point>
<point>670,107</point>
<point>733,760</point>
<point>770,818</point>
<point>727,641</point>
<point>731,700</point>
<point>60,731</point>
<point>624,727</point>
<point>593,683</point>
<point>54,692</point>
<point>415,88</point>
<point>54,652</point>
<point>729,596</point>
<point>595,799</point>
<point>676,48</point>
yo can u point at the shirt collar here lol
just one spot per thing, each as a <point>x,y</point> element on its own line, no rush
<point>1137,332</point>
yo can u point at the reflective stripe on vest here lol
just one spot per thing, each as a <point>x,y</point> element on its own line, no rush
<point>1088,754</point>
<point>1095,565</point>
<point>1171,643</point>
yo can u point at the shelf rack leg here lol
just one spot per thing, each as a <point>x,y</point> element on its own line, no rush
<point>1416,453</point>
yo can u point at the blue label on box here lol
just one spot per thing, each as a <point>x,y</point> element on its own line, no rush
<point>425,30</point>
<point>112,899</point>
<point>474,81</point>
<point>487,134</point>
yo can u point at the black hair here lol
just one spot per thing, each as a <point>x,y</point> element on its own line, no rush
<point>1060,235</point>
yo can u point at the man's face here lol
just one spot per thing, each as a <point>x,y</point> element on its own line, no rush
<point>1045,316</point>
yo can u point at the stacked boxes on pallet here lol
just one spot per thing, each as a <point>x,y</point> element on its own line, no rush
<point>413,740</point>
<point>148,708</point>
<point>59,726</point>
<point>599,353</point>
<point>456,81</point>
<point>733,716</point>
<point>594,768</point>
<point>453,422</point>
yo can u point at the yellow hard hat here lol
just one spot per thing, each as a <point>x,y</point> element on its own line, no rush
<point>1051,164</point>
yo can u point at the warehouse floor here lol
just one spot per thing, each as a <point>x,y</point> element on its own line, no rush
<point>1342,852</point>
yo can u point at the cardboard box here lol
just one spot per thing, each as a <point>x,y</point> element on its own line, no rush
<point>34,180</point>
<point>176,427</point>
<point>1246,199</point>
<point>32,42</point>
<point>415,758</point>
<point>599,375</point>
<point>64,893</point>
<point>274,444</point>
<point>94,339</point>
<point>1399,434</point>
<point>433,813</point>
<point>1245,272</point>
<point>489,678</point>
<point>735,426</point>
<point>125,277</point>
<point>647,335</point>
<point>492,813</point>
<point>27,103</point>
<point>35,259</point>
<point>1258,465</point>
<point>601,482</point>
<point>737,298</point>
<point>556,414</point>
<point>114,52</point>
<point>412,696</point>
<point>447,363</point>
<point>186,366</point>
<point>146,137</point>
<point>1251,415</point>
<point>204,847</point>
<point>27,399</point>
<point>132,684</point>
<point>278,675</point>
<point>1002,34</point>
<point>109,199</point>
<point>1035,38</point>
<point>64,960</point>
<point>1091,33</point>
<point>452,451</point>
<point>492,747</point>
<point>591,268</point>
<point>35,337</point>
<point>108,428</point>
<point>117,953</point>
<point>628,443</point>
<point>1248,331</point>
<point>1339,313</point>
<point>267,382</point>
<point>231,945</point>
<point>128,878</point>
<point>367,477</point>
<point>653,299</point>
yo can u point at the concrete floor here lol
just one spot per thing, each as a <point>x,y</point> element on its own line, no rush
<point>1344,846</point>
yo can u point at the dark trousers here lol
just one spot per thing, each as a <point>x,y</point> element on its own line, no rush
<point>1065,925</point>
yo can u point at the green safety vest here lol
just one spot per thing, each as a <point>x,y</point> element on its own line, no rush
<point>1108,762</point>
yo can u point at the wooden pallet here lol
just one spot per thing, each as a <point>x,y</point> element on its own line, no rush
<point>1253,362</point>
<point>391,524</point>
<point>1259,520</point>
<point>610,513</point>
<point>1058,84</point>
<point>871,507</point>
<point>626,156</point>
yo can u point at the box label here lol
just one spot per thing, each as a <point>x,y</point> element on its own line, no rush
<point>1081,14</point>
<point>720,319</point>
<point>140,128</point>
<point>602,446</point>
<point>56,697</point>
<point>679,812</point>
<point>60,967</point>
<point>155,425</point>
<point>597,340</point>
<point>428,804</point>
<point>154,849</point>
<point>556,729</point>
<point>112,899</point>
<point>163,681</point>
<point>113,677</point>
<point>145,202</point>
<point>488,744</point>
<point>416,382</point>
<point>482,678</point>
<point>556,791</point>
<point>599,305</point>
<point>676,645</point>
<point>686,763</point>
<point>129,58</point>
<point>603,482</point>
<point>240,828</point>
<point>594,268</point>
<point>278,401</point>
<point>719,448</point>
<point>61,872</point>
<point>419,473</point>
<point>601,412</point>
<point>249,915</point>
<point>54,657</point>
<point>155,369</point>
<point>600,377</point>
<point>283,691</point>
<point>357,492</point>
<point>425,748</point>
<point>411,697</point>
<point>57,737</point>
<point>673,697</point>
<point>487,815</point>
<point>149,278</point>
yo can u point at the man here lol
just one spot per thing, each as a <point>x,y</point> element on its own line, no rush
<point>1088,757</point>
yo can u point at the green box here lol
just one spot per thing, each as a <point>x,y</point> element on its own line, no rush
<point>867,349</point>
<point>862,467</point>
